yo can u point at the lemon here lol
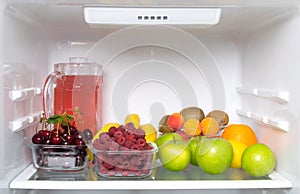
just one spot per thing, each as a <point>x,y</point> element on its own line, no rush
<point>105,128</point>
<point>90,154</point>
<point>133,118</point>
<point>238,150</point>
<point>150,131</point>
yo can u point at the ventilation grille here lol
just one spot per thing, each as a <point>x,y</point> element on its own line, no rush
<point>152,17</point>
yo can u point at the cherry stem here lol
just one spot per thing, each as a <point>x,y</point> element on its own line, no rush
<point>57,127</point>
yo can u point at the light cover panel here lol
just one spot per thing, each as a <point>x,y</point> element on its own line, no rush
<point>134,16</point>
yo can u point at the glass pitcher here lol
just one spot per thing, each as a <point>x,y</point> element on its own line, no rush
<point>75,88</point>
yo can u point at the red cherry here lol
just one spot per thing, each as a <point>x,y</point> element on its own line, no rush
<point>56,140</point>
<point>46,133</point>
<point>38,138</point>
<point>79,142</point>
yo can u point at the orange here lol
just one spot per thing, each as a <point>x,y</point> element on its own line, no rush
<point>240,132</point>
<point>210,126</point>
<point>192,127</point>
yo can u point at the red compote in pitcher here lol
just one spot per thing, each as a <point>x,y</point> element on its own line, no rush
<point>75,88</point>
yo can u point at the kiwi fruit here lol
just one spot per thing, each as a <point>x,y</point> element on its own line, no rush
<point>163,125</point>
<point>221,117</point>
<point>192,112</point>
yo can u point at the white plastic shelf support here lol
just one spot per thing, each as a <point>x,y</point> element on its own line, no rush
<point>21,94</point>
<point>21,123</point>
<point>278,96</point>
<point>281,125</point>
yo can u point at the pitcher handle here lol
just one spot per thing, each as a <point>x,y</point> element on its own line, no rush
<point>49,82</point>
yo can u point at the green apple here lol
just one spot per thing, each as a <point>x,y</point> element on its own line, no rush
<point>214,155</point>
<point>193,143</point>
<point>167,137</point>
<point>258,160</point>
<point>175,155</point>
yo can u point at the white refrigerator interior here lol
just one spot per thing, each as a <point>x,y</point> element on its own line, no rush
<point>158,57</point>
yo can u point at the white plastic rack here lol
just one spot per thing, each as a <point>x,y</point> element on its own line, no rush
<point>278,96</point>
<point>22,94</point>
<point>23,122</point>
<point>231,180</point>
<point>281,125</point>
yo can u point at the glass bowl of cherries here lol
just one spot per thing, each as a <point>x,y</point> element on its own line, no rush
<point>123,152</point>
<point>59,145</point>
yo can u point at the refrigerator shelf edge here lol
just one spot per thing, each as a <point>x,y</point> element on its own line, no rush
<point>22,182</point>
<point>281,125</point>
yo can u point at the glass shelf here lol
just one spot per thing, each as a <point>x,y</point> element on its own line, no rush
<point>191,178</point>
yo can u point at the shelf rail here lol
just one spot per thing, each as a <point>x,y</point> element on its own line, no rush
<point>281,125</point>
<point>278,96</point>
<point>22,94</point>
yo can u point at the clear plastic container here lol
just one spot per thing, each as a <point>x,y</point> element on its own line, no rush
<point>59,157</point>
<point>125,164</point>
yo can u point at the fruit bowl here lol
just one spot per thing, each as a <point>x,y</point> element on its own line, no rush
<point>59,157</point>
<point>124,163</point>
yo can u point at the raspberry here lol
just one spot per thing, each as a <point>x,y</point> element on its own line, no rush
<point>148,147</point>
<point>124,149</point>
<point>130,126</point>
<point>121,140</point>
<point>132,168</point>
<point>98,145</point>
<point>112,173</point>
<point>104,137</point>
<point>135,161</point>
<point>147,165</point>
<point>108,165</point>
<point>118,134</point>
<point>141,142</point>
<point>128,143</point>
<point>117,159</point>
<point>147,171</point>
<point>140,133</point>
<point>125,173</point>
<point>114,147</point>
<point>107,145</point>
<point>122,128</point>
<point>130,136</point>
<point>134,147</point>
<point>142,156</point>
<point>125,164</point>
<point>111,131</point>
<point>103,170</point>
<point>137,173</point>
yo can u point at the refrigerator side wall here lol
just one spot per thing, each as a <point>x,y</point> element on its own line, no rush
<point>271,62</point>
<point>23,58</point>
